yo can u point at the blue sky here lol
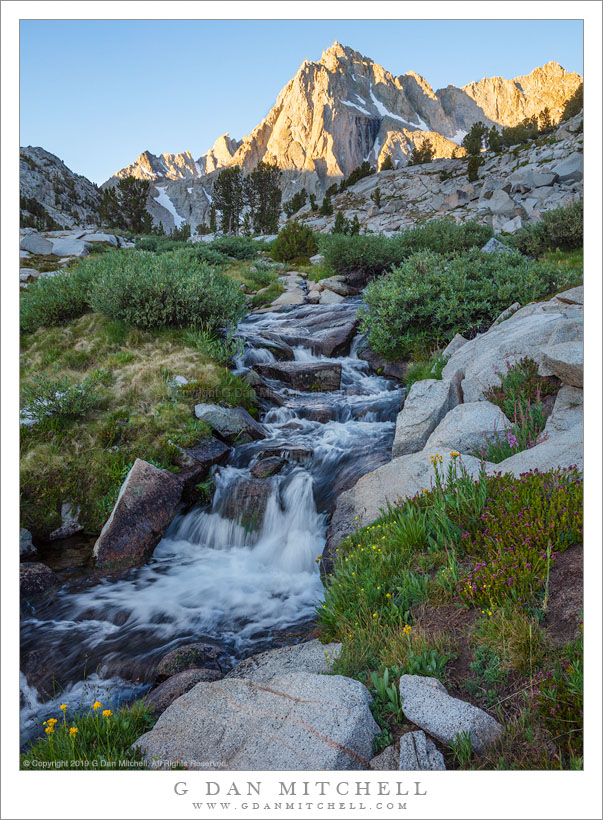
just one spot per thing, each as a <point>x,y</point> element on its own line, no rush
<point>98,93</point>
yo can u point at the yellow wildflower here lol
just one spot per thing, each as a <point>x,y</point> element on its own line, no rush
<point>49,730</point>
<point>63,707</point>
<point>97,705</point>
<point>407,629</point>
<point>107,713</point>
<point>73,731</point>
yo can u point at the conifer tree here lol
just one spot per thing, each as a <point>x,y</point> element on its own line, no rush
<point>326,208</point>
<point>229,198</point>
<point>422,154</point>
<point>132,197</point>
<point>263,196</point>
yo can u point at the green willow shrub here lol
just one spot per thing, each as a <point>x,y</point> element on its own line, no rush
<point>444,236</point>
<point>561,228</point>
<point>437,296</point>
<point>55,300</point>
<point>375,254</point>
<point>241,247</point>
<point>294,240</point>
<point>349,254</point>
<point>166,290</point>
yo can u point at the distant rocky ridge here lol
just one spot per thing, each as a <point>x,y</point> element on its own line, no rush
<point>340,111</point>
<point>513,188</point>
<point>49,187</point>
<point>333,115</point>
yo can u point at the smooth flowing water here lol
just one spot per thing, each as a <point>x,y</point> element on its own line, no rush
<point>212,578</point>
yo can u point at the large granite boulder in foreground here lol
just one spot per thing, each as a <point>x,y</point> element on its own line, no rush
<point>297,721</point>
<point>142,513</point>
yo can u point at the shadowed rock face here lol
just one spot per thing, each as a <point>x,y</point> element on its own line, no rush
<point>35,579</point>
<point>205,656</point>
<point>167,692</point>
<point>69,199</point>
<point>302,375</point>
<point>247,502</point>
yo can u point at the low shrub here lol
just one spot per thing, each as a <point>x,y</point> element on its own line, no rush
<point>239,247</point>
<point>168,290</point>
<point>57,299</point>
<point>373,255</point>
<point>160,244</point>
<point>561,228</point>
<point>439,296</point>
<point>294,241</point>
<point>200,252</point>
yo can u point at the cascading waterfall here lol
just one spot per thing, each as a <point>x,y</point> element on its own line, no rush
<point>213,576</point>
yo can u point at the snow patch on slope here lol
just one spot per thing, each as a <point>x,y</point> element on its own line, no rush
<point>385,112</point>
<point>164,200</point>
<point>353,105</point>
<point>459,136</point>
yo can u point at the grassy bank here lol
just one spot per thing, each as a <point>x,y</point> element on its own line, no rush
<point>100,347</point>
<point>444,586</point>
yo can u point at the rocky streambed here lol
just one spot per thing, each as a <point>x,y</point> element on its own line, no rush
<point>239,575</point>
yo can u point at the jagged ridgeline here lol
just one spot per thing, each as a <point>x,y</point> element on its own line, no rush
<point>332,116</point>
